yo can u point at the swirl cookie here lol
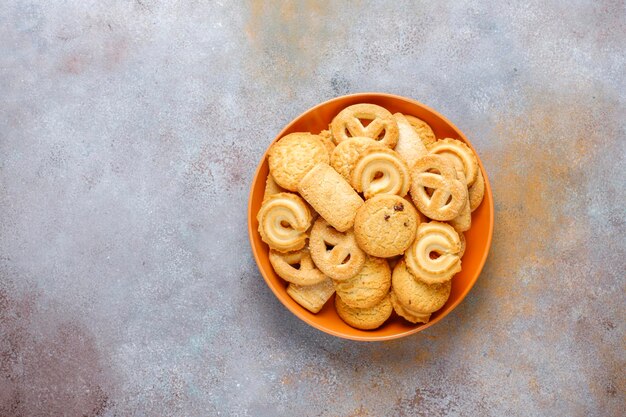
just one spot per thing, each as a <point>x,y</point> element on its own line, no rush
<point>410,147</point>
<point>293,156</point>
<point>296,267</point>
<point>477,191</point>
<point>331,196</point>
<point>385,225</point>
<point>436,173</point>
<point>382,127</point>
<point>346,154</point>
<point>284,219</point>
<point>312,297</point>
<point>364,318</point>
<point>406,313</point>
<point>381,171</point>
<point>415,295</point>
<point>368,287</point>
<point>336,254</point>
<point>424,131</point>
<point>434,257</point>
<point>460,155</point>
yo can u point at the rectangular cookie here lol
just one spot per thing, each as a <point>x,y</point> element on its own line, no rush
<point>312,297</point>
<point>331,196</point>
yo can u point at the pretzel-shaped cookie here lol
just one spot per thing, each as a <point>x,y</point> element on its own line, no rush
<point>381,171</point>
<point>296,267</point>
<point>348,120</point>
<point>434,238</point>
<point>460,155</point>
<point>336,254</point>
<point>449,193</point>
<point>284,219</point>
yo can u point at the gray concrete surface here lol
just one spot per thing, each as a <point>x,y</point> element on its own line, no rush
<point>129,133</point>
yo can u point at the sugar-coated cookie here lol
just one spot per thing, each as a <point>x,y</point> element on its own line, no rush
<point>312,297</point>
<point>434,255</point>
<point>415,295</point>
<point>296,267</point>
<point>410,147</point>
<point>346,154</point>
<point>422,128</point>
<point>381,171</point>
<point>364,318</point>
<point>331,196</point>
<point>385,225</point>
<point>284,219</point>
<point>406,313</point>
<point>293,156</point>
<point>382,126</point>
<point>368,287</point>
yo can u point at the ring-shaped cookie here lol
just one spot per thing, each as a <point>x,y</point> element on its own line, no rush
<point>381,171</point>
<point>434,255</point>
<point>296,267</point>
<point>284,219</point>
<point>460,154</point>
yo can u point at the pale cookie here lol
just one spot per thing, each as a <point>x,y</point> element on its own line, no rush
<point>382,126</point>
<point>368,287</point>
<point>385,225</point>
<point>346,154</point>
<point>331,196</point>
<point>437,173</point>
<point>463,221</point>
<point>410,147</point>
<point>296,267</point>
<point>434,255</point>
<point>271,187</point>
<point>293,156</point>
<point>284,219</point>
<point>408,314</point>
<point>327,139</point>
<point>381,171</point>
<point>312,297</point>
<point>424,131</point>
<point>364,318</point>
<point>415,295</point>
<point>477,191</point>
<point>335,253</point>
<point>460,154</point>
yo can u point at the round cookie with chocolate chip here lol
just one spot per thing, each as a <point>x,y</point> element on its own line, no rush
<point>385,225</point>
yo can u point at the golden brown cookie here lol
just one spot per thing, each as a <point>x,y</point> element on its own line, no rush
<point>477,191</point>
<point>463,244</point>
<point>460,155</point>
<point>368,287</point>
<point>271,187</point>
<point>331,196</point>
<point>434,255</point>
<point>284,219</point>
<point>328,135</point>
<point>463,221</point>
<point>385,225</point>
<point>327,139</point>
<point>346,154</point>
<point>364,318</point>
<point>407,314</point>
<point>382,126</point>
<point>422,128</point>
<point>296,267</point>
<point>415,295</point>
<point>381,171</point>
<point>335,253</point>
<point>293,156</point>
<point>436,173</point>
<point>312,297</point>
<point>410,147</point>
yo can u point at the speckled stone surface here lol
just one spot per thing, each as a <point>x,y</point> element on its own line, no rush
<point>129,134</point>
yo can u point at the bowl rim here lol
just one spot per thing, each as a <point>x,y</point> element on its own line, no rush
<point>417,328</point>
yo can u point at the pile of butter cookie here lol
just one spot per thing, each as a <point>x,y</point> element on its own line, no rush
<point>372,210</point>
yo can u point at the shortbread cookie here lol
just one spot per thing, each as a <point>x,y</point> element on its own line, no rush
<point>410,147</point>
<point>293,156</point>
<point>477,191</point>
<point>407,314</point>
<point>364,318</point>
<point>415,295</point>
<point>346,154</point>
<point>381,171</point>
<point>437,173</point>
<point>296,267</point>
<point>422,128</point>
<point>382,126</point>
<point>385,225</point>
<point>463,221</point>
<point>284,219</point>
<point>331,196</point>
<point>335,253</point>
<point>368,287</point>
<point>460,154</point>
<point>271,187</point>
<point>312,297</point>
<point>434,255</point>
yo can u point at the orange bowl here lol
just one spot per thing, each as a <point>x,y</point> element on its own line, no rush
<point>478,237</point>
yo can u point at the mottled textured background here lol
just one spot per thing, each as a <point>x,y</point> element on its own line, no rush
<point>129,134</point>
